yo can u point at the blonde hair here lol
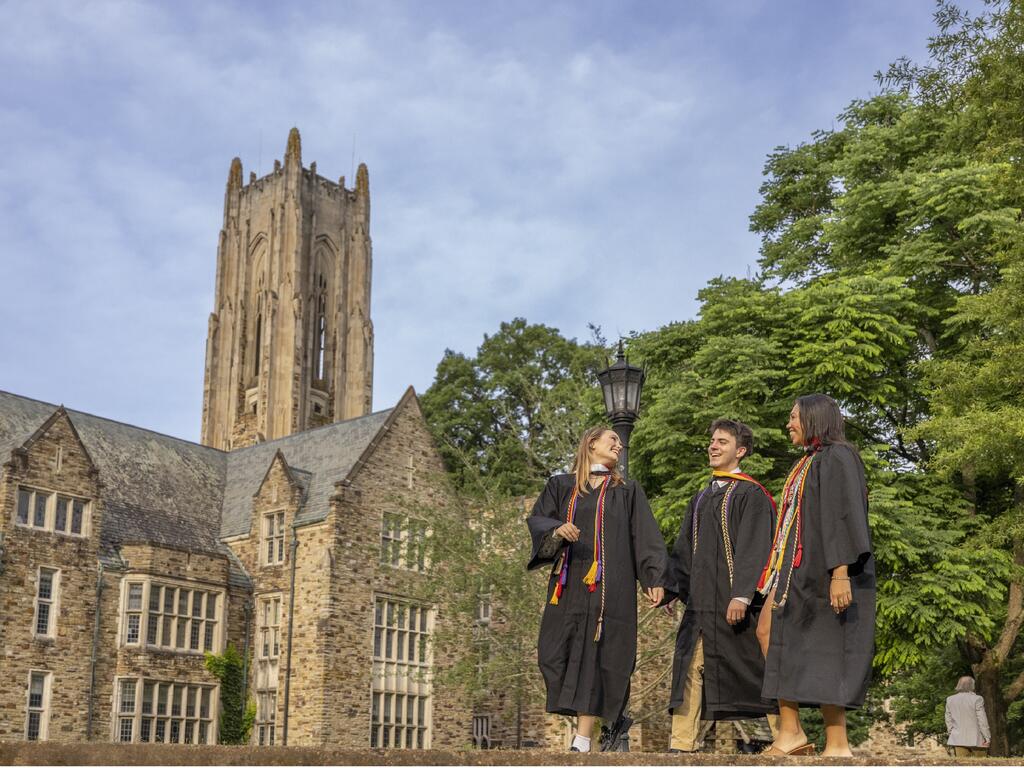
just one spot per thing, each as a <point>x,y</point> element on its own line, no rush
<point>581,464</point>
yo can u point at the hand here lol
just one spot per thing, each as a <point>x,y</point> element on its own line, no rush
<point>840,595</point>
<point>736,611</point>
<point>985,744</point>
<point>569,532</point>
<point>655,595</point>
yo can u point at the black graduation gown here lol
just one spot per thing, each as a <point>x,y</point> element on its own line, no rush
<point>733,664</point>
<point>583,676</point>
<point>815,656</point>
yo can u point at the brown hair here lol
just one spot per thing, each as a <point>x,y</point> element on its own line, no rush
<point>581,464</point>
<point>821,420</point>
<point>744,435</point>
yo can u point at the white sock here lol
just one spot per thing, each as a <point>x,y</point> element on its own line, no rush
<point>582,743</point>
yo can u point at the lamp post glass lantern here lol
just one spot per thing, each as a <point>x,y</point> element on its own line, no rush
<point>622,385</point>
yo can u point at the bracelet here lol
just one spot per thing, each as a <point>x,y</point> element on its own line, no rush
<point>839,578</point>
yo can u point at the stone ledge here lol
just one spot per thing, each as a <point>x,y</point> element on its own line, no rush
<point>22,753</point>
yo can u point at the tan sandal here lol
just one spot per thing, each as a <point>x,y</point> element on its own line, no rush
<point>804,749</point>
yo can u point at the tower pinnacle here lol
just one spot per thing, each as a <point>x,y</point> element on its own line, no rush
<point>235,174</point>
<point>362,180</point>
<point>294,149</point>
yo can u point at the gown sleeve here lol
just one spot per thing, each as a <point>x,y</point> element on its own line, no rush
<point>846,539</point>
<point>752,540</point>
<point>648,545</point>
<point>542,522</point>
<point>677,570</point>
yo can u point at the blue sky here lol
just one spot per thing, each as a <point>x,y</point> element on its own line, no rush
<point>571,163</point>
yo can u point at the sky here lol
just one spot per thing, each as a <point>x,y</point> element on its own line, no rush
<point>567,162</point>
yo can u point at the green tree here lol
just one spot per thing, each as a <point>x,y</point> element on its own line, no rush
<point>891,278</point>
<point>888,268</point>
<point>515,409</point>
<point>977,425</point>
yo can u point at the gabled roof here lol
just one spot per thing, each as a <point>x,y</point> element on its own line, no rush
<point>45,426</point>
<point>325,455</point>
<point>299,478</point>
<point>157,488</point>
<point>176,493</point>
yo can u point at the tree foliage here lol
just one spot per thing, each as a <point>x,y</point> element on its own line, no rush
<point>236,716</point>
<point>513,412</point>
<point>891,277</point>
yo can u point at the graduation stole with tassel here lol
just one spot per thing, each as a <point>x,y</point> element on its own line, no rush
<point>726,539</point>
<point>787,516</point>
<point>595,574</point>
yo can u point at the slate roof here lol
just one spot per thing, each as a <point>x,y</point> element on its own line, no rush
<point>320,456</point>
<point>162,490</point>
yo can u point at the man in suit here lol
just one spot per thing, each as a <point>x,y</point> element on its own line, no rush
<point>966,721</point>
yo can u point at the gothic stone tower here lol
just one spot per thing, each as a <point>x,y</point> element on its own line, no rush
<point>290,341</point>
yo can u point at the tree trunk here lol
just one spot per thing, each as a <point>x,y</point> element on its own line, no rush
<point>987,674</point>
<point>989,665</point>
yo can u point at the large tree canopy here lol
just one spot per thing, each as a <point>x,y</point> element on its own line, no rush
<point>892,278</point>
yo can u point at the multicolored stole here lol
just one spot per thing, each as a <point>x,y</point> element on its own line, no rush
<point>788,517</point>
<point>596,574</point>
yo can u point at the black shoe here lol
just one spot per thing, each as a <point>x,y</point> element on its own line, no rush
<point>610,737</point>
<point>574,749</point>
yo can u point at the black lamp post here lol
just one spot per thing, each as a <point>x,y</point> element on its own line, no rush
<point>622,384</point>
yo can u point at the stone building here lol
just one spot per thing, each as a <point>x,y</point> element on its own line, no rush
<point>295,531</point>
<point>290,341</point>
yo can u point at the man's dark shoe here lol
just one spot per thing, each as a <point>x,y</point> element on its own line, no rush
<point>610,736</point>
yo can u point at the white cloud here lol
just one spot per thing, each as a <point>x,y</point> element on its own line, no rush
<point>539,159</point>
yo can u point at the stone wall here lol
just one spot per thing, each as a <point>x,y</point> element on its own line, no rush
<point>380,486</point>
<point>107,656</point>
<point>24,551</point>
<point>652,682</point>
<point>279,492</point>
<point>338,575</point>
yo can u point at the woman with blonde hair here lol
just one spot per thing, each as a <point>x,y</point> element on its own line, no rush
<point>598,531</point>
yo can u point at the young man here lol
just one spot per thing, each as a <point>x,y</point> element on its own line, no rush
<point>714,569</point>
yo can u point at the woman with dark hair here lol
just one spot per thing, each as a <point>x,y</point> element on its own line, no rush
<point>818,637</point>
<point>598,531</point>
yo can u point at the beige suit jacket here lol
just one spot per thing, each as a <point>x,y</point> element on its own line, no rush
<point>966,720</point>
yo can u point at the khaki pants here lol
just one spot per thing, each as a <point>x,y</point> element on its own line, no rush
<point>686,718</point>
<point>970,751</point>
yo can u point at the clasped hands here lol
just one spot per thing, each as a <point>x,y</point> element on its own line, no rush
<point>570,532</point>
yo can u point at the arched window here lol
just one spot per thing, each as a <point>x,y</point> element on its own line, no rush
<point>257,355</point>
<point>321,335</point>
<point>259,342</point>
<point>320,329</point>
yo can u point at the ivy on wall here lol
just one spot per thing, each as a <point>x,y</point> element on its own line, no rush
<point>236,717</point>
